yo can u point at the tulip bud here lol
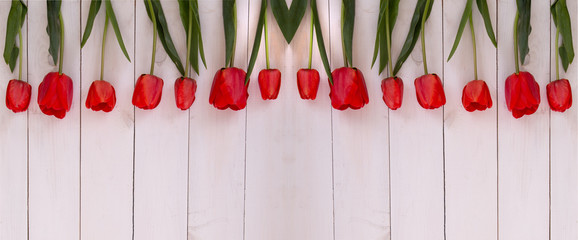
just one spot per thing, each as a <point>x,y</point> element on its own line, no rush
<point>18,95</point>
<point>147,92</point>
<point>185,89</point>
<point>269,83</point>
<point>430,91</point>
<point>101,96</point>
<point>348,89</point>
<point>55,94</point>
<point>392,89</point>
<point>308,83</point>
<point>476,96</point>
<point>522,94</point>
<point>559,95</point>
<point>229,89</point>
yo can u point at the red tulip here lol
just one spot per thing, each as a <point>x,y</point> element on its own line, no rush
<point>101,96</point>
<point>147,92</point>
<point>308,83</point>
<point>430,91</point>
<point>18,95</point>
<point>522,94</point>
<point>55,94</point>
<point>392,89</point>
<point>348,89</point>
<point>185,89</point>
<point>229,89</point>
<point>476,96</point>
<point>269,83</point>
<point>559,95</point>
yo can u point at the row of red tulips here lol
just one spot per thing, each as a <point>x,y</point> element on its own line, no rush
<point>229,91</point>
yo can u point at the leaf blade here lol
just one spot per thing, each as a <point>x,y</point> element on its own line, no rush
<point>53,28</point>
<point>412,35</point>
<point>257,41</point>
<point>229,12</point>
<point>92,12</point>
<point>320,42</point>
<point>483,8</point>
<point>290,18</point>
<point>564,24</point>
<point>165,37</point>
<point>14,24</point>
<point>348,22</point>
<point>524,27</point>
<point>112,17</point>
<point>465,16</point>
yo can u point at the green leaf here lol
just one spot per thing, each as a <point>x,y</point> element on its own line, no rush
<point>14,24</point>
<point>465,16</point>
<point>189,9</point>
<point>564,24</point>
<point>230,24</point>
<point>483,7</point>
<point>380,22</point>
<point>114,23</point>
<point>413,34</point>
<point>524,28</point>
<point>94,8</point>
<point>164,34</point>
<point>347,24</point>
<point>197,21</point>
<point>257,42</point>
<point>389,9</point>
<point>320,43</point>
<point>53,28</point>
<point>290,18</point>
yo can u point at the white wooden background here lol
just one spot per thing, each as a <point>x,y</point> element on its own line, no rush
<point>288,169</point>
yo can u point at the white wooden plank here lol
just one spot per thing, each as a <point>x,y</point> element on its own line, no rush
<point>54,143</point>
<point>360,138</point>
<point>563,153</point>
<point>416,139</point>
<point>470,138</point>
<point>523,143</point>
<point>161,139</point>
<point>217,139</point>
<point>289,183</point>
<point>13,148</point>
<point>107,138</point>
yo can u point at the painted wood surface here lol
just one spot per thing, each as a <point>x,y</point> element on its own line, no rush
<point>288,168</point>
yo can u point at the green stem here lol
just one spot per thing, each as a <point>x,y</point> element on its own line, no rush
<point>189,36</point>
<point>311,40</point>
<point>516,42</point>
<point>154,36</point>
<point>423,37</point>
<point>235,37</point>
<point>474,44</point>
<point>103,44</point>
<point>61,43</point>
<point>343,42</point>
<point>266,40</point>
<point>557,58</point>
<point>388,42</point>
<point>20,53</point>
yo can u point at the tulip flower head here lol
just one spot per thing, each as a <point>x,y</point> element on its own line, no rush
<point>147,92</point>
<point>269,83</point>
<point>476,96</point>
<point>18,95</point>
<point>308,83</point>
<point>348,89</point>
<point>522,94</point>
<point>430,91</point>
<point>55,94</point>
<point>101,96</point>
<point>229,89</point>
<point>392,88</point>
<point>559,95</point>
<point>185,89</point>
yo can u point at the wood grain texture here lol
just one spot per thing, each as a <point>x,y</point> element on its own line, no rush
<point>288,144</point>
<point>13,148</point>
<point>523,143</point>
<point>54,143</point>
<point>217,139</point>
<point>563,156</point>
<point>470,138</point>
<point>360,138</point>
<point>107,138</point>
<point>416,139</point>
<point>161,139</point>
